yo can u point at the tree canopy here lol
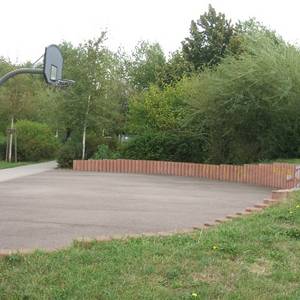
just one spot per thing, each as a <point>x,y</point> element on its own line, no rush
<point>209,38</point>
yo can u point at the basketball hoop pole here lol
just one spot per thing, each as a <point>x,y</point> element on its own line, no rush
<point>20,71</point>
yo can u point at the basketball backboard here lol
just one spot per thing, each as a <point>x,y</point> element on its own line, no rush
<point>53,64</point>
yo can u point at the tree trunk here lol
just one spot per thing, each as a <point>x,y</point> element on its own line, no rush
<point>85,127</point>
<point>11,139</point>
<point>16,149</point>
<point>83,141</point>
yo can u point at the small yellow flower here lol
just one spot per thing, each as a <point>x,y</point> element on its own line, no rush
<point>215,247</point>
<point>194,295</point>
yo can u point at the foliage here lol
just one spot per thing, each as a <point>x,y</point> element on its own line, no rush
<point>146,65</point>
<point>158,119</point>
<point>165,146</point>
<point>2,146</point>
<point>104,152</point>
<point>249,29</point>
<point>243,110</point>
<point>253,257</point>
<point>209,38</point>
<point>156,110</point>
<point>249,104</point>
<point>176,68</point>
<point>24,97</point>
<point>96,103</point>
<point>67,153</point>
<point>35,141</point>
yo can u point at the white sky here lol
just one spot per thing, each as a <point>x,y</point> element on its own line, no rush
<point>27,26</point>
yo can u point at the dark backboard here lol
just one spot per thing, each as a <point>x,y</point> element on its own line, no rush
<point>53,64</point>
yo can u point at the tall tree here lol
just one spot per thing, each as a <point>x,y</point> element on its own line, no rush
<point>16,103</point>
<point>146,65</point>
<point>175,69</point>
<point>209,37</point>
<point>93,104</point>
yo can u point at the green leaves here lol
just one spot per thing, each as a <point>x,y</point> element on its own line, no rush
<point>209,37</point>
<point>146,65</point>
<point>249,103</point>
<point>156,110</point>
<point>96,102</point>
<point>35,141</point>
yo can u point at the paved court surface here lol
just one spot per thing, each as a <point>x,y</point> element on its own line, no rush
<point>50,209</point>
<point>13,173</point>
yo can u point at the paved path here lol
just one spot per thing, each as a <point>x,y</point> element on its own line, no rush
<point>50,209</point>
<point>13,173</point>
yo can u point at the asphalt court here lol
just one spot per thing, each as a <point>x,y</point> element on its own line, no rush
<point>49,209</point>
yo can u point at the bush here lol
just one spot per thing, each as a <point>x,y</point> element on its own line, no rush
<point>35,141</point>
<point>66,154</point>
<point>164,146</point>
<point>250,105</point>
<point>104,152</point>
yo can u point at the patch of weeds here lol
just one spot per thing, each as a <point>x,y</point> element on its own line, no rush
<point>14,259</point>
<point>148,270</point>
<point>226,248</point>
<point>293,233</point>
<point>276,255</point>
<point>286,218</point>
<point>173,273</point>
<point>26,297</point>
<point>176,284</point>
<point>230,249</point>
<point>83,244</point>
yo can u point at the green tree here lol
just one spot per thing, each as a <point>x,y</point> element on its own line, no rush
<point>209,38</point>
<point>16,102</point>
<point>157,120</point>
<point>145,65</point>
<point>94,104</point>
<point>247,30</point>
<point>249,105</point>
<point>156,110</point>
<point>175,69</point>
<point>36,141</point>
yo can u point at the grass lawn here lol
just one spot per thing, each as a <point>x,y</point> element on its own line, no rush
<point>6,165</point>
<point>254,257</point>
<point>288,160</point>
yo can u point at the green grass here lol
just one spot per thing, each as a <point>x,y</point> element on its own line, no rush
<point>255,257</point>
<point>288,160</point>
<point>282,160</point>
<point>6,165</point>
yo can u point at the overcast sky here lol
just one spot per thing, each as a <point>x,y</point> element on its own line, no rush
<point>28,26</point>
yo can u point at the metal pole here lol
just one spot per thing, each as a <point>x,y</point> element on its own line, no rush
<point>20,71</point>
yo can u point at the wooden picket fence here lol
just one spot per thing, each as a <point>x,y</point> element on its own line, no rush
<point>276,175</point>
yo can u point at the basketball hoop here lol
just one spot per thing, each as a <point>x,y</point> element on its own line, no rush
<point>64,83</point>
<point>52,69</point>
